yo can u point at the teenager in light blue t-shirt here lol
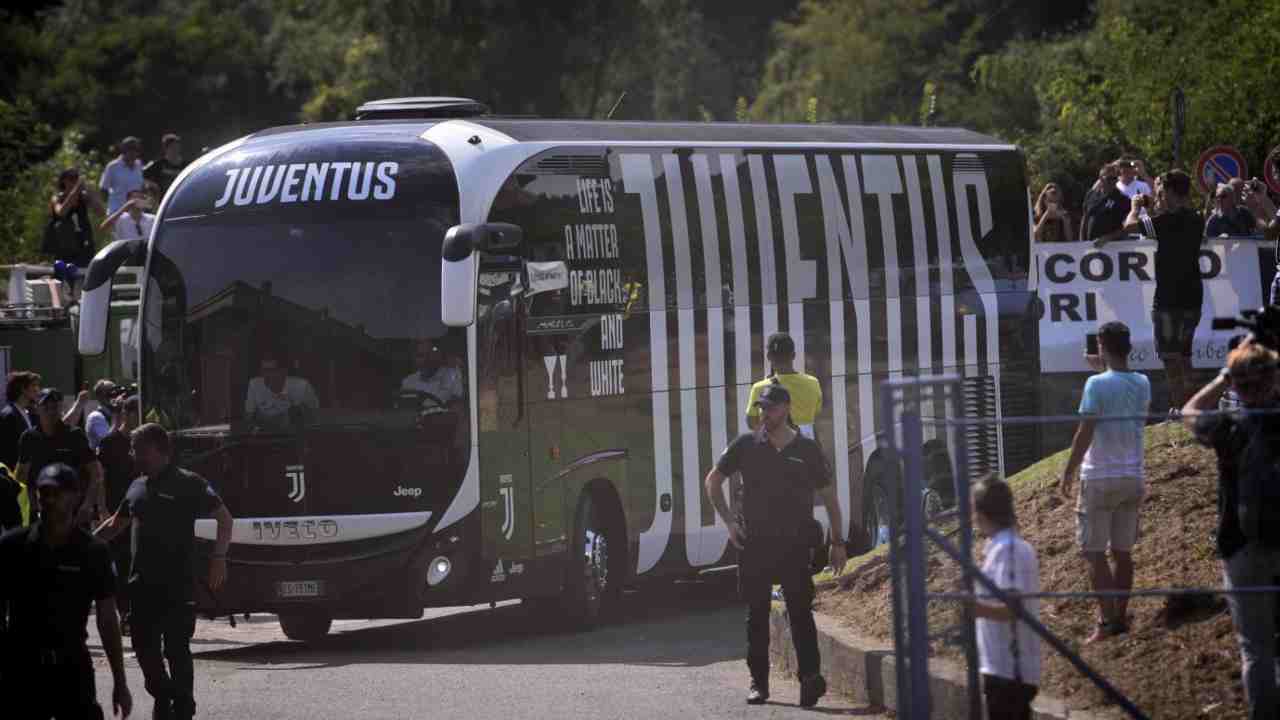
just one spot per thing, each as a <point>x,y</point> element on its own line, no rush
<point>1108,454</point>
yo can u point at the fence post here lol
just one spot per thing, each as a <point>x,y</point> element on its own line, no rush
<point>963,509</point>
<point>888,406</point>
<point>917,592</point>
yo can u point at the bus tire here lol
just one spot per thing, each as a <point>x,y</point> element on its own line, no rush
<point>305,625</point>
<point>875,506</point>
<point>591,589</point>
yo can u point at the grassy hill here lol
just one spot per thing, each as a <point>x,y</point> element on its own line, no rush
<point>1179,659</point>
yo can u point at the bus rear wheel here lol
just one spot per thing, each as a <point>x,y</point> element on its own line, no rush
<point>305,625</point>
<point>591,588</point>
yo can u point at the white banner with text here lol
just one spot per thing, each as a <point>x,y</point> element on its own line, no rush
<point>1082,287</point>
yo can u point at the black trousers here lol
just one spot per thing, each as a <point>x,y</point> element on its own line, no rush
<point>1008,699</point>
<point>161,631</point>
<point>122,555</point>
<point>758,571</point>
<point>64,690</point>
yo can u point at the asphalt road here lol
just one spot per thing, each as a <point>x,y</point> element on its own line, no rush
<point>676,653</point>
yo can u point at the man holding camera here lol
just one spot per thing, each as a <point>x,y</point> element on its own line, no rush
<point>1228,217</point>
<point>99,422</point>
<point>1105,207</point>
<point>781,470</point>
<point>1248,448</point>
<point>1177,228</point>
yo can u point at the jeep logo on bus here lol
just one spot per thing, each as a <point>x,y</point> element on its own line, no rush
<point>295,529</point>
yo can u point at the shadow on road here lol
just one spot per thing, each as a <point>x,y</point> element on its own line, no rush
<point>682,625</point>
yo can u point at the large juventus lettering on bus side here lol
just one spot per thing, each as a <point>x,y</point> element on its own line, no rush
<point>734,206</point>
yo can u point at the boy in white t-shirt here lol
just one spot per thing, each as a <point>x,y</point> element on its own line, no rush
<point>1109,457</point>
<point>1008,650</point>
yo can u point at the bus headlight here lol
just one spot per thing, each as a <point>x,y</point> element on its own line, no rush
<point>439,570</point>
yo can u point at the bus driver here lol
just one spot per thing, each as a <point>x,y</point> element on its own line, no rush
<point>437,384</point>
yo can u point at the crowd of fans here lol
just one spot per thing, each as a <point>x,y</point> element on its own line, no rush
<point>1237,207</point>
<point>131,189</point>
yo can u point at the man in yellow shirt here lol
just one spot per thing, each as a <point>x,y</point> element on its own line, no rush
<point>806,393</point>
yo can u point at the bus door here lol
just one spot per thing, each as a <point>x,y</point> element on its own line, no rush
<point>504,423</point>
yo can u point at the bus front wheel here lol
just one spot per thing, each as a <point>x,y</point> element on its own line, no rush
<point>591,589</point>
<point>305,626</point>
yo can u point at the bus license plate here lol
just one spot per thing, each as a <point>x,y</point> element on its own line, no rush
<point>299,588</point>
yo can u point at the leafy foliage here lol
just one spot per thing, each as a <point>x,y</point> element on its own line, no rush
<point>1074,83</point>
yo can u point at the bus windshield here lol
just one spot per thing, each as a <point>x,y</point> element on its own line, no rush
<point>269,327</point>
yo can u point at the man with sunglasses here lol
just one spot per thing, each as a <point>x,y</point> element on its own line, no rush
<point>1247,443</point>
<point>781,472</point>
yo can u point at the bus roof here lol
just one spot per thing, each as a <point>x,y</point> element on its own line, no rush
<point>605,132</point>
<point>635,132</point>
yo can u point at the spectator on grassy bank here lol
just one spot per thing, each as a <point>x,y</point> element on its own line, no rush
<point>1247,445</point>
<point>1110,460</point>
<point>1008,651</point>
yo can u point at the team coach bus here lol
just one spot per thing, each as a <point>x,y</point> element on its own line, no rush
<point>435,357</point>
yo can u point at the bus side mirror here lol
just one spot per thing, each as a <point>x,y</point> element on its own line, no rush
<point>460,266</point>
<point>95,298</point>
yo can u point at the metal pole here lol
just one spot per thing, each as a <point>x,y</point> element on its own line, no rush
<point>1179,124</point>
<point>917,591</point>
<point>961,480</point>
<point>888,404</point>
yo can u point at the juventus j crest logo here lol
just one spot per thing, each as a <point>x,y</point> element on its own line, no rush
<point>508,506</point>
<point>297,482</point>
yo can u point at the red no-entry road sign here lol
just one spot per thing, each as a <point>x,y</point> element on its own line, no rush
<point>1219,164</point>
<point>1271,170</point>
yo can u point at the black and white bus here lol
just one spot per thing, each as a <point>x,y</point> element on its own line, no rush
<point>436,357</point>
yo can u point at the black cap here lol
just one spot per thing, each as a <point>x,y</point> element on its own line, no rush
<point>781,344</point>
<point>59,474</point>
<point>773,394</point>
<point>48,396</point>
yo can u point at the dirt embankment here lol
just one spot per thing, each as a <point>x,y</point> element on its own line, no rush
<point>1180,658</point>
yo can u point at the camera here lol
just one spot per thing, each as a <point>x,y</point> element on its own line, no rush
<point>121,393</point>
<point>1263,323</point>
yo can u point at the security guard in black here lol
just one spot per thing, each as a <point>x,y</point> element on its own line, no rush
<point>777,487</point>
<point>53,572</point>
<point>775,530</point>
<point>160,509</point>
<point>166,509</point>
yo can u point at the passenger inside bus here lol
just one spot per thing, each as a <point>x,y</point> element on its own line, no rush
<point>277,401</point>
<point>435,386</point>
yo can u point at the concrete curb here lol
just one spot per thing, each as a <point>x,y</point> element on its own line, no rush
<point>864,670</point>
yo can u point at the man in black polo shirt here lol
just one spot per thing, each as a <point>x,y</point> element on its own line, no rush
<point>781,471</point>
<point>1178,231</point>
<point>52,440</point>
<point>161,508</point>
<point>1105,207</point>
<point>53,570</point>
